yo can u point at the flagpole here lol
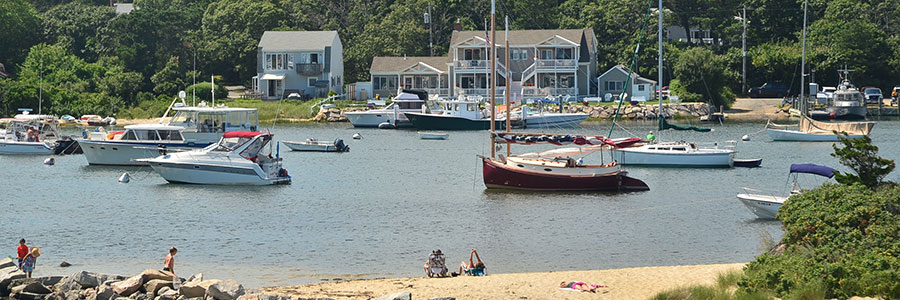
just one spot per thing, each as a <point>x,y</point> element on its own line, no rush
<point>508,90</point>
<point>493,83</point>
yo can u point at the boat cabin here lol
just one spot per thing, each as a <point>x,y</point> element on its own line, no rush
<point>151,133</point>
<point>206,125</point>
<point>464,108</point>
<point>679,147</point>
<point>847,95</point>
<point>43,126</point>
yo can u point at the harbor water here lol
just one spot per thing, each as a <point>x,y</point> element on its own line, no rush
<point>379,210</point>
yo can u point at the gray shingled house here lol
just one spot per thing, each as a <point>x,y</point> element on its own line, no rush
<point>310,63</point>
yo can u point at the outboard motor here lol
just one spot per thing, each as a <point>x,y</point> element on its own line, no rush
<point>162,149</point>
<point>339,144</point>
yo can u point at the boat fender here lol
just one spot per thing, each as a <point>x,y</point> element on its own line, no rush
<point>125,178</point>
<point>357,136</point>
<point>745,138</point>
<point>386,125</point>
<point>84,133</point>
<point>50,161</point>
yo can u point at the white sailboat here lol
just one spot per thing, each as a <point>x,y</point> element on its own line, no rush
<point>671,154</point>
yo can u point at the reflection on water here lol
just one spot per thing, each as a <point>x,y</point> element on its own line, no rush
<point>381,208</point>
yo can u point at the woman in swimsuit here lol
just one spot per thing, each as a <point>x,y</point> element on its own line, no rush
<point>580,286</point>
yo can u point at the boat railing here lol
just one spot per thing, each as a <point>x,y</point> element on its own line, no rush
<point>329,99</point>
<point>766,193</point>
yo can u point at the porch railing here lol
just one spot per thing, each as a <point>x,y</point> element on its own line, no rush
<point>555,64</point>
<point>535,91</point>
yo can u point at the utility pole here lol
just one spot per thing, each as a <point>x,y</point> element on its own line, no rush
<point>430,30</point>
<point>744,53</point>
<point>41,88</point>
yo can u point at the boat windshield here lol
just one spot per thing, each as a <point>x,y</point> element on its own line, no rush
<point>255,147</point>
<point>228,144</point>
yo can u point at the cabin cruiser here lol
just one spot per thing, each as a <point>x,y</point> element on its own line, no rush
<point>239,158</point>
<point>204,125</point>
<point>545,119</point>
<point>394,113</point>
<point>674,154</point>
<point>457,114</point>
<point>29,134</point>
<point>765,206</point>
<point>847,103</point>
<point>124,148</point>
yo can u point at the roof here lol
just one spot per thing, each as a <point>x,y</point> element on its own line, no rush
<point>296,40</point>
<point>635,77</point>
<point>390,64</point>
<point>153,126</point>
<point>527,37</point>
<point>221,109</point>
<point>123,8</point>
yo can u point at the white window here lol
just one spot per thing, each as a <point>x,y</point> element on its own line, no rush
<point>290,60</point>
<point>279,61</point>
<point>641,87</point>
<point>523,54</point>
<point>546,54</point>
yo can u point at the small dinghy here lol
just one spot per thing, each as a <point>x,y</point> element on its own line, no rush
<point>747,162</point>
<point>317,146</point>
<point>433,135</point>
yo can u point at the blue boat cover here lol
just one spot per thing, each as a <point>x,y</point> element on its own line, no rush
<point>545,100</point>
<point>812,169</point>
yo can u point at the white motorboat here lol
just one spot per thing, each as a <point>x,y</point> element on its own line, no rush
<point>545,119</point>
<point>124,148</point>
<point>674,154</point>
<point>204,125</point>
<point>424,135</point>
<point>809,130</point>
<point>405,101</point>
<point>29,134</point>
<point>317,146</point>
<point>237,159</point>
<point>457,114</point>
<point>766,206</point>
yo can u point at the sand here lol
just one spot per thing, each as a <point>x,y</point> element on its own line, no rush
<point>752,110</point>
<point>631,283</point>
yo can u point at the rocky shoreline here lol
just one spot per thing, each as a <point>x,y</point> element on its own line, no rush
<point>148,285</point>
<point>627,112</point>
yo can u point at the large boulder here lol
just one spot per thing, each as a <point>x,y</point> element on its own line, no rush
<point>128,286</point>
<point>105,292</point>
<point>167,294</point>
<point>396,296</point>
<point>7,262</point>
<point>6,277</point>
<point>250,297</point>
<point>151,274</point>
<point>225,290</point>
<point>154,285</point>
<point>46,281</point>
<point>91,279</point>
<point>27,296</point>
<point>31,287</point>
<point>196,288</point>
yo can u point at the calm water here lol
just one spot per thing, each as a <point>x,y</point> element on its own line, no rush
<point>379,209</point>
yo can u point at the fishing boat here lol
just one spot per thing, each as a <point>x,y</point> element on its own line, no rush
<point>314,145</point>
<point>125,148</point>
<point>847,101</point>
<point>395,113</point>
<point>766,206</point>
<point>456,114</point>
<point>669,154</point>
<point>809,130</point>
<point>237,159</point>
<point>29,134</point>
<point>540,172</point>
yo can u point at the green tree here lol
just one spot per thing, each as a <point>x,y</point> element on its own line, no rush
<point>700,71</point>
<point>777,62</point>
<point>75,25</point>
<point>230,33</point>
<point>861,156</point>
<point>168,81</point>
<point>20,27</point>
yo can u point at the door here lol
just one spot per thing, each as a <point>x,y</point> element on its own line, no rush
<point>314,58</point>
<point>272,88</point>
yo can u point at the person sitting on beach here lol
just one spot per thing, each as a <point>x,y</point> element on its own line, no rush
<point>580,286</point>
<point>21,252</point>
<point>169,263</point>
<point>472,269</point>
<point>30,261</point>
<point>435,265</point>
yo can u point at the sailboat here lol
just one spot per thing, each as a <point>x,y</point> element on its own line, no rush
<point>809,130</point>
<point>551,172</point>
<point>669,154</point>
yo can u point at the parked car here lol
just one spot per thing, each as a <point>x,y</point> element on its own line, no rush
<point>826,95</point>
<point>770,90</point>
<point>872,95</point>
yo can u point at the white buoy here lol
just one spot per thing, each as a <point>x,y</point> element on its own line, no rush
<point>125,178</point>
<point>357,136</point>
<point>745,138</point>
<point>50,161</point>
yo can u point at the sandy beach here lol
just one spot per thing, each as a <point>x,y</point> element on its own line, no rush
<point>630,283</point>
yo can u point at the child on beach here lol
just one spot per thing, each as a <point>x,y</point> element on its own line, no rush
<point>21,252</point>
<point>169,263</point>
<point>30,261</point>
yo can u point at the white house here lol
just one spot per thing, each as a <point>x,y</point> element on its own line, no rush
<point>310,63</point>
<point>613,82</point>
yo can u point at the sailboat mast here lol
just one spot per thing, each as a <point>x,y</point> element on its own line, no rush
<point>508,90</point>
<point>493,83</point>
<point>803,102</point>
<point>659,114</point>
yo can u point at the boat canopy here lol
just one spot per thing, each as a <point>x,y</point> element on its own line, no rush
<point>809,125</point>
<point>812,169</point>
<point>240,134</point>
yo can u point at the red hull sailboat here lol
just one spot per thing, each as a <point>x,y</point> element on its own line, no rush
<point>499,175</point>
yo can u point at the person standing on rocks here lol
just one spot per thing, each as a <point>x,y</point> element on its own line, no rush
<point>21,252</point>
<point>30,261</point>
<point>169,263</point>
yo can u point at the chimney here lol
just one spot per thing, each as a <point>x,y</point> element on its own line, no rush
<point>457,26</point>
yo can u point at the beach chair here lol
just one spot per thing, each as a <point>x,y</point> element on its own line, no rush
<point>437,265</point>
